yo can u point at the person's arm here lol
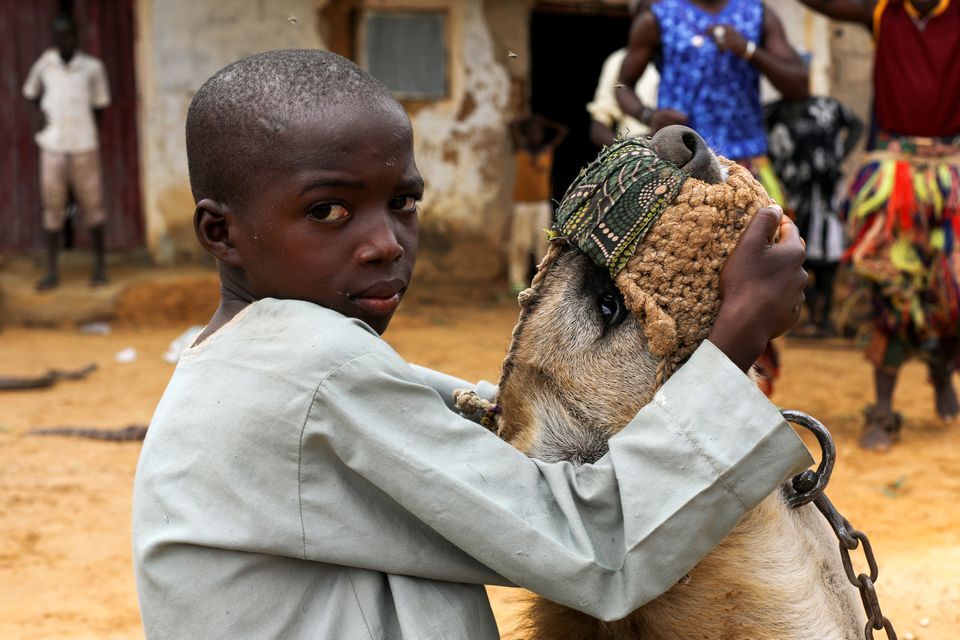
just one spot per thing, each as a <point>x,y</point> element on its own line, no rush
<point>762,285</point>
<point>774,57</point>
<point>100,92</point>
<point>445,385</point>
<point>601,135</point>
<point>33,92</point>
<point>516,133</point>
<point>558,130</point>
<point>857,11</point>
<point>644,37</point>
<point>417,491</point>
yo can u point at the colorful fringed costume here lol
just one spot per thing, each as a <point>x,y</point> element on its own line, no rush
<point>903,207</point>
<point>903,214</point>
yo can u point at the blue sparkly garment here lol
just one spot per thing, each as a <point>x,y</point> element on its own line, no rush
<point>719,91</point>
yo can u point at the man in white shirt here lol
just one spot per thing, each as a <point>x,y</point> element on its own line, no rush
<point>70,88</point>
<point>607,119</point>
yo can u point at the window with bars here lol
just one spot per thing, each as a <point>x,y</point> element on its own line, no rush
<point>407,51</point>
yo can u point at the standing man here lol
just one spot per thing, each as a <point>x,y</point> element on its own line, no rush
<point>70,88</point>
<point>904,205</point>
<point>607,119</point>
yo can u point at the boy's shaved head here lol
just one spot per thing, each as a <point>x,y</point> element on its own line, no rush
<point>238,115</point>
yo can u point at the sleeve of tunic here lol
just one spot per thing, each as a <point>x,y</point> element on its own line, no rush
<point>391,481</point>
<point>445,384</point>
<point>33,86</point>
<point>100,87</point>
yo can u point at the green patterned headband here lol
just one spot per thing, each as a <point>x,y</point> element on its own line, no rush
<point>615,200</point>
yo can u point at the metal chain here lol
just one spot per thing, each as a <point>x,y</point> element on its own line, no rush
<point>809,487</point>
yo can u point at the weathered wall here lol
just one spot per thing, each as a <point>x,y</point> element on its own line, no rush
<point>462,149</point>
<point>180,44</point>
<point>461,144</point>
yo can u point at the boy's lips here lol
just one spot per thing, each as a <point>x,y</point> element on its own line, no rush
<point>381,298</point>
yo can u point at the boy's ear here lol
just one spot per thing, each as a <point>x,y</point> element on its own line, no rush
<point>214,224</point>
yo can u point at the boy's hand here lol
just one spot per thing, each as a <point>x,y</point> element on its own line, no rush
<point>762,286</point>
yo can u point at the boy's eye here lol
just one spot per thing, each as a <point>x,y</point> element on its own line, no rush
<point>328,211</point>
<point>406,204</point>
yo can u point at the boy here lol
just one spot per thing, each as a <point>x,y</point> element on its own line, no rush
<point>535,140</point>
<point>300,480</point>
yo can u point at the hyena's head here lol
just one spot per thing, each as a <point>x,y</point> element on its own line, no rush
<point>609,317</point>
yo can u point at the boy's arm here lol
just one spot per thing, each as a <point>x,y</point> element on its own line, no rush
<point>445,384</point>
<point>415,490</point>
<point>762,284</point>
<point>558,131</point>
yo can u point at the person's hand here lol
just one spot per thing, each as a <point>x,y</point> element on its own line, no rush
<point>762,286</point>
<point>727,38</point>
<point>665,117</point>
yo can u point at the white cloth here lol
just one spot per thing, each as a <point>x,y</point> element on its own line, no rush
<point>300,480</point>
<point>606,110</point>
<point>68,93</point>
<point>825,231</point>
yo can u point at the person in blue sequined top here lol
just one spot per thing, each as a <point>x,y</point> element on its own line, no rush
<point>714,52</point>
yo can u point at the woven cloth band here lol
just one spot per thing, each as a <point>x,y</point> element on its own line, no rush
<point>615,200</point>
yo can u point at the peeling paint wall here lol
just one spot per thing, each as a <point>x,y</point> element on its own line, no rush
<point>463,153</point>
<point>461,143</point>
<point>180,44</point>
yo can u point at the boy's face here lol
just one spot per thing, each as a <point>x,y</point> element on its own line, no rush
<point>334,219</point>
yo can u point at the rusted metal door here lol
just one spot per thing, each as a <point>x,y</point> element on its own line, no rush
<point>106,30</point>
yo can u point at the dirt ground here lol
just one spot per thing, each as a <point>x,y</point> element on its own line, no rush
<point>65,567</point>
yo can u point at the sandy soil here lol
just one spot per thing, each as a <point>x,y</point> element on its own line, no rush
<point>65,568</point>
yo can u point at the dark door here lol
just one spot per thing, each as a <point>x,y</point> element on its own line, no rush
<point>106,30</point>
<point>568,47</point>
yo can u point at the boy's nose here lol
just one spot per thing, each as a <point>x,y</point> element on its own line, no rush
<point>381,243</point>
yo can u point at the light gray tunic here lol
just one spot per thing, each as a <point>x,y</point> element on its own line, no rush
<point>300,480</point>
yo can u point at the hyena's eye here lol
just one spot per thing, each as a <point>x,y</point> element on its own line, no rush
<point>609,307</point>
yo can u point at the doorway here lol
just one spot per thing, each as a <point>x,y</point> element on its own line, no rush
<point>568,45</point>
<point>106,31</point>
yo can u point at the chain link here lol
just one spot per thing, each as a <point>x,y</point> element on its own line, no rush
<point>809,487</point>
